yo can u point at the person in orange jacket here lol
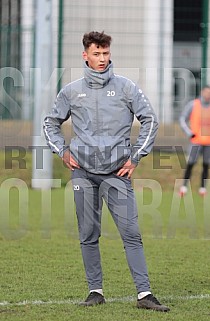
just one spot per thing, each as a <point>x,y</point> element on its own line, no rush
<point>195,122</point>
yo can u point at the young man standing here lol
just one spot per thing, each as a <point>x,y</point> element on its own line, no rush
<point>195,122</point>
<point>102,106</point>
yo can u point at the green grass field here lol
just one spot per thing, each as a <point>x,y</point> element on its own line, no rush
<point>42,275</point>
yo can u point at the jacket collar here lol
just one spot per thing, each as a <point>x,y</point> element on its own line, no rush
<point>97,79</point>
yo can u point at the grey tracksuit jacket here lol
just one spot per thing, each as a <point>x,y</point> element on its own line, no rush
<point>102,106</point>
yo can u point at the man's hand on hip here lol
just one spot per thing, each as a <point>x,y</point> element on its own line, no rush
<point>127,168</point>
<point>69,160</point>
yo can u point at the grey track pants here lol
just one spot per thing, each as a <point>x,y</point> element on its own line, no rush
<point>89,192</point>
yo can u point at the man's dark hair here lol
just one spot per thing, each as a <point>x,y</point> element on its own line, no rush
<point>98,38</point>
<point>206,87</point>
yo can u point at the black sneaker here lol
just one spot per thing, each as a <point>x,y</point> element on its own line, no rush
<point>150,302</point>
<point>93,298</point>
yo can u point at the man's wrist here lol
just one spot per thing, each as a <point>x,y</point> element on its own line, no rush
<point>134,161</point>
<point>63,150</point>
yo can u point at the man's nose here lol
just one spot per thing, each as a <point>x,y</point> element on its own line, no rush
<point>101,57</point>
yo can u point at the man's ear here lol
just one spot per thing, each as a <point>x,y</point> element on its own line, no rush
<point>84,55</point>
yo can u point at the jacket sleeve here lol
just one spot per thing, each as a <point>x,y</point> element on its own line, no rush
<point>52,124</point>
<point>184,119</point>
<point>142,109</point>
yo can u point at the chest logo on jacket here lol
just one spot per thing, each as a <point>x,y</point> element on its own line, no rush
<point>81,95</point>
<point>110,93</point>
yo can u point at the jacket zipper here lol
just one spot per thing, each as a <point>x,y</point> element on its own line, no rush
<point>97,128</point>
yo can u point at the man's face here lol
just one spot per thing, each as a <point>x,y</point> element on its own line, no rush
<point>97,57</point>
<point>206,94</point>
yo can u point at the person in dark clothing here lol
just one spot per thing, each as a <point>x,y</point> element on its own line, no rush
<point>195,121</point>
